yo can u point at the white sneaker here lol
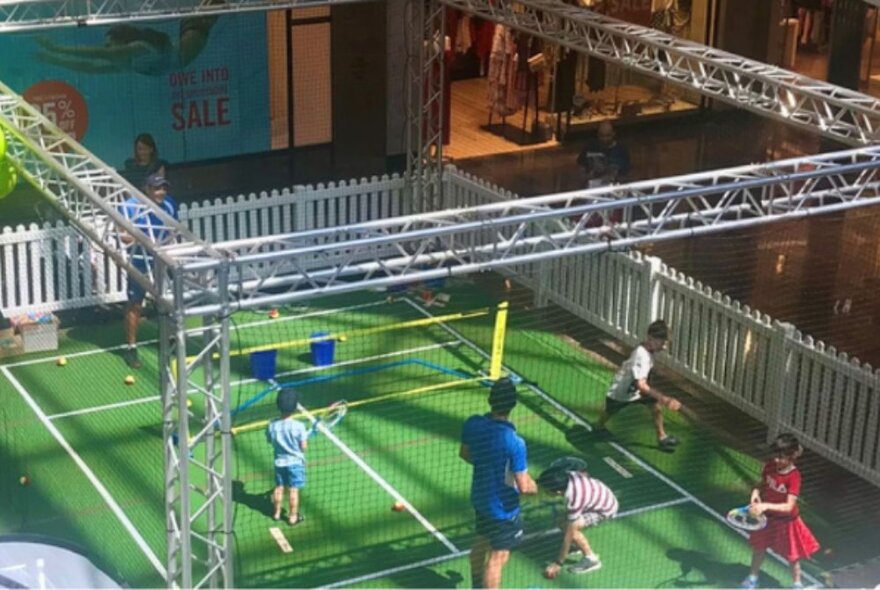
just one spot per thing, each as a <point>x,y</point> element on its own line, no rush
<point>586,565</point>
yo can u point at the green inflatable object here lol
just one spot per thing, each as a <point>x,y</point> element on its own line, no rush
<point>8,179</point>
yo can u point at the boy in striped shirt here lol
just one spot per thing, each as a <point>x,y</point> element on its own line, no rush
<point>588,502</point>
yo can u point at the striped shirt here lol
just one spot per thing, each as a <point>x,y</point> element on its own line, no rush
<point>585,494</point>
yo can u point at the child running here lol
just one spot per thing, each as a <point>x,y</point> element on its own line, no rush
<point>632,385</point>
<point>288,438</point>
<point>776,496</point>
<point>588,502</point>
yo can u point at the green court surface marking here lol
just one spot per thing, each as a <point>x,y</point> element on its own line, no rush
<point>102,490</point>
<point>714,513</point>
<point>667,547</point>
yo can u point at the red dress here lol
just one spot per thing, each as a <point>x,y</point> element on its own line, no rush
<point>785,533</point>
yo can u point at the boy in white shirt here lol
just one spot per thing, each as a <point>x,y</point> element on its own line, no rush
<point>632,385</point>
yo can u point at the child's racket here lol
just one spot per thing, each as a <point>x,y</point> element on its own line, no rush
<point>741,518</point>
<point>334,415</point>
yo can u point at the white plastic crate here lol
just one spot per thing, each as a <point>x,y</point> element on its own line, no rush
<point>36,337</point>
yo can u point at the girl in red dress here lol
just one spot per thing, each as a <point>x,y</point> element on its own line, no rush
<point>776,496</point>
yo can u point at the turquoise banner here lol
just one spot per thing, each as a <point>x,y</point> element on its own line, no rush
<point>198,85</point>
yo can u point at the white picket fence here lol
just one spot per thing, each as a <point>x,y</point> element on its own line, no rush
<point>50,267</point>
<point>769,370</point>
<point>779,376</point>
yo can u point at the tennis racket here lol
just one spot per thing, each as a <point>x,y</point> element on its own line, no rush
<point>334,415</point>
<point>741,518</point>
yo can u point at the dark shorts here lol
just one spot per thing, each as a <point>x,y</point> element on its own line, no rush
<point>612,406</point>
<point>502,534</point>
<point>135,292</point>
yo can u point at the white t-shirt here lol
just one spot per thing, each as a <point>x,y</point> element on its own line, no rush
<point>638,366</point>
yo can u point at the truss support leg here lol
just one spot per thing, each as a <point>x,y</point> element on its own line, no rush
<point>198,445</point>
<point>425,19</point>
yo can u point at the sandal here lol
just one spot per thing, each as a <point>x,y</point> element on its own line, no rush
<point>295,520</point>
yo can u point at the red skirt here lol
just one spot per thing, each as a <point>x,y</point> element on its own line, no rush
<point>789,537</point>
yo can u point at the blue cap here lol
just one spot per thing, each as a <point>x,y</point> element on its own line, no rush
<point>156,180</point>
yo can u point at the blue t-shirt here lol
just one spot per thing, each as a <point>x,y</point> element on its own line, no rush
<point>149,223</point>
<point>497,453</point>
<point>285,436</point>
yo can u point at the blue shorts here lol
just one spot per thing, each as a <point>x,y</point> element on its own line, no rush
<point>502,534</point>
<point>291,476</point>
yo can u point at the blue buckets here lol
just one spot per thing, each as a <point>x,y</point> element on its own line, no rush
<point>323,351</point>
<point>263,364</point>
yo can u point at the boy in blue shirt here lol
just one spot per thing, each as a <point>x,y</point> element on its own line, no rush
<point>289,440</point>
<point>491,444</point>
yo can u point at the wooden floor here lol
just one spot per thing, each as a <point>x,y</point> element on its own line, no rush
<point>470,113</point>
<point>470,116</point>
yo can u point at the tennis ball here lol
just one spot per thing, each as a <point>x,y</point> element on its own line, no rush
<point>342,337</point>
<point>129,380</point>
<point>61,362</point>
<point>24,480</point>
<point>389,299</point>
<point>189,403</point>
<point>398,506</point>
<point>274,314</point>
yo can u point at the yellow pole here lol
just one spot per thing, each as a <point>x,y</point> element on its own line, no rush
<point>498,342</point>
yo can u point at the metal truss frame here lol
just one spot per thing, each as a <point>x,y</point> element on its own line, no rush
<point>129,226</point>
<point>28,15</point>
<point>845,115</point>
<point>424,138</point>
<point>192,279</point>
<point>274,269</point>
<point>99,202</point>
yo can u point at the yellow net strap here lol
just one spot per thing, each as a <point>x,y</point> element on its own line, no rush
<point>398,394</point>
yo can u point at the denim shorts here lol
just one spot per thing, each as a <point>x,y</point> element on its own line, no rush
<point>291,476</point>
<point>502,534</point>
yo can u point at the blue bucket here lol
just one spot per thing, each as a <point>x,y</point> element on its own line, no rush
<point>263,364</point>
<point>323,351</point>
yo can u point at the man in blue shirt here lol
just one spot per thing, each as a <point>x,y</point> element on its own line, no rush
<point>156,188</point>
<point>289,439</point>
<point>490,443</point>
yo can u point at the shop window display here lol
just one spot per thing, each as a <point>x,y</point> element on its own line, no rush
<point>605,91</point>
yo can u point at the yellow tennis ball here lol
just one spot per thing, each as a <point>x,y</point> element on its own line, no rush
<point>342,337</point>
<point>129,380</point>
<point>61,362</point>
<point>189,403</point>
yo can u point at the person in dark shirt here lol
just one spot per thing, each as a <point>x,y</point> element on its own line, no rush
<point>145,162</point>
<point>604,160</point>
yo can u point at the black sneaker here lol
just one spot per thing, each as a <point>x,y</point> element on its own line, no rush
<point>668,443</point>
<point>131,358</point>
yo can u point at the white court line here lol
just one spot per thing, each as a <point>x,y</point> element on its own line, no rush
<point>383,483</point>
<point>442,558</point>
<point>90,475</point>
<point>153,398</point>
<point>619,448</point>
<point>202,329</point>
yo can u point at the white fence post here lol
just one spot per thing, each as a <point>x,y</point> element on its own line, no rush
<point>778,377</point>
<point>649,300</point>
